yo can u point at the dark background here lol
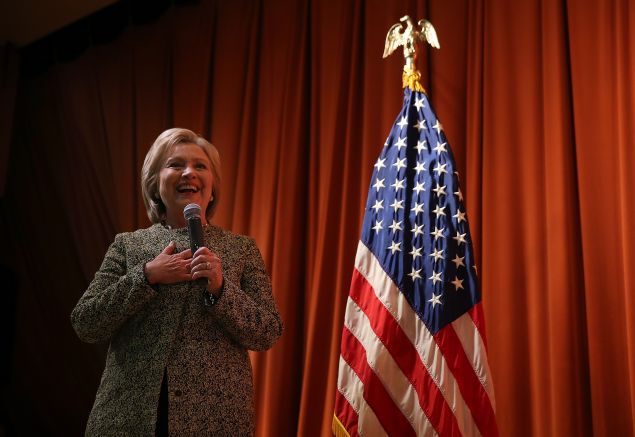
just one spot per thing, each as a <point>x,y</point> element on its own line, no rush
<point>536,98</point>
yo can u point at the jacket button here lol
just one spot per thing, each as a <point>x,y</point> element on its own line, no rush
<point>178,392</point>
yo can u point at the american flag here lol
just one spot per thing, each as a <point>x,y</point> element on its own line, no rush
<point>413,355</point>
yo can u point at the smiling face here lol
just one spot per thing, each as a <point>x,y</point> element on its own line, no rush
<point>185,178</point>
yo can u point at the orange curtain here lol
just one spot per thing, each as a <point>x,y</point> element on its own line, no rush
<point>536,98</point>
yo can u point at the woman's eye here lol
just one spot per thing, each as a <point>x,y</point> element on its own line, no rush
<point>174,165</point>
<point>201,166</point>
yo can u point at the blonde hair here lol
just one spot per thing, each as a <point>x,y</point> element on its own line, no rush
<point>155,160</point>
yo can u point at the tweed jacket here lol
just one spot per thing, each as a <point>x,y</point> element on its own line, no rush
<point>203,349</point>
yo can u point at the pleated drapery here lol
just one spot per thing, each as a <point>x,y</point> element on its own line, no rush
<point>536,98</point>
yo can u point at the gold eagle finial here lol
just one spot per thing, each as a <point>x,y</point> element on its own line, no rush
<point>408,36</point>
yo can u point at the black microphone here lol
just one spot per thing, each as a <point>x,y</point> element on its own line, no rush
<point>192,214</point>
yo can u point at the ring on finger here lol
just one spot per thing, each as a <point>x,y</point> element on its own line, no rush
<point>208,265</point>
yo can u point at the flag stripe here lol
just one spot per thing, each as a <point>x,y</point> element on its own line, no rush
<point>347,417</point>
<point>403,351</point>
<point>470,386</point>
<point>337,428</point>
<point>384,366</point>
<point>375,392</point>
<point>474,349</point>
<point>476,313</point>
<point>345,422</point>
<point>418,334</point>
<point>352,407</point>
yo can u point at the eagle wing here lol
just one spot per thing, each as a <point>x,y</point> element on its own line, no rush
<point>429,34</point>
<point>393,39</point>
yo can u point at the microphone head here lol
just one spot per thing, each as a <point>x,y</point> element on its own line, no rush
<point>192,210</point>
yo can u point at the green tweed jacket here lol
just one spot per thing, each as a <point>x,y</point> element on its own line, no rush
<point>204,349</point>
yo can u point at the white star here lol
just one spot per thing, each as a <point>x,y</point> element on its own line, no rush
<point>417,230</point>
<point>439,211</point>
<point>378,227</point>
<point>438,233</point>
<point>458,260</point>
<point>436,277</point>
<point>415,252</point>
<point>403,122</point>
<point>401,163</point>
<point>459,216</point>
<point>437,254</point>
<point>398,184</point>
<point>379,183</point>
<point>440,190</point>
<point>421,145</point>
<point>394,247</point>
<point>419,187</point>
<point>421,124</point>
<point>420,166</point>
<point>419,103</point>
<point>396,226</point>
<point>459,195</point>
<point>460,238</point>
<point>380,163</point>
<point>401,142</point>
<point>397,204</point>
<point>440,168</point>
<point>458,283</point>
<point>438,127</point>
<point>435,300</point>
<point>418,208</point>
<point>415,274</point>
<point>440,147</point>
<point>378,205</point>
<point>386,142</point>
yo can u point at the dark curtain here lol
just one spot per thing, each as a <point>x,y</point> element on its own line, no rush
<point>536,98</point>
<point>9,70</point>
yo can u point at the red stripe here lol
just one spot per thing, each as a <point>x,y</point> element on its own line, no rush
<point>405,355</point>
<point>476,313</point>
<point>345,413</point>
<point>470,386</point>
<point>391,418</point>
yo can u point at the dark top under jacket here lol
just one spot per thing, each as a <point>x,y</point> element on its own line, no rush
<point>203,349</point>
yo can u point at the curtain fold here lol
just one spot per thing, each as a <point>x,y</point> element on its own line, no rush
<point>530,226</point>
<point>602,60</point>
<point>536,99</point>
<point>9,75</point>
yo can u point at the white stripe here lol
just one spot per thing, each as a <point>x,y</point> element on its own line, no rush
<point>432,358</point>
<point>474,348</point>
<point>384,366</point>
<point>352,388</point>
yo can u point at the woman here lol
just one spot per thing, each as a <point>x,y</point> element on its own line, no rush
<point>175,363</point>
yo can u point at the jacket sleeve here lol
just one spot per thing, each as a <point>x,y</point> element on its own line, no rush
<point>117,292</point>
<point>247,311</point>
